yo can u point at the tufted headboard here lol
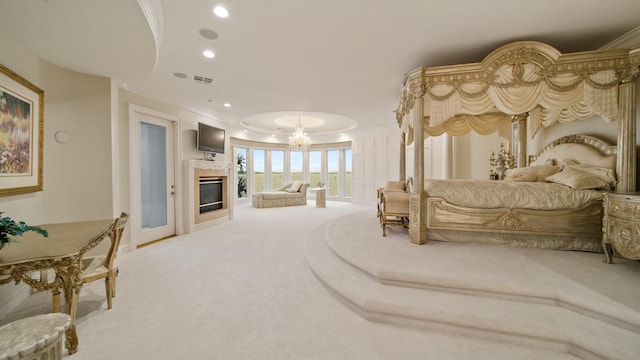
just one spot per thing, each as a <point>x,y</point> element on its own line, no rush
<point>581,149</point>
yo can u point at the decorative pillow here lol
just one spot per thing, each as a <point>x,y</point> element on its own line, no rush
<point>532,173</point>
<point>289,190</point>
<point>295,187</point>
<point>578,179</point>
<point>605,174</point>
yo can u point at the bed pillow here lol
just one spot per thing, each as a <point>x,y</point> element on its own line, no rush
<point>605,173</point>
<point>525,174</point>
<point>540,162</point>
<point>566,161</point>
<point>583,177</point>
<point>532,173</point>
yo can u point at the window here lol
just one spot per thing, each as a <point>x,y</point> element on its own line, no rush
<point>348,168</point>
<point>258,170</point>
<point>333,172</point>
<point>241,168</point>
<point>265,167</point>
<point>277,169</point>
<point>296,165</point>
<point>315,167</point>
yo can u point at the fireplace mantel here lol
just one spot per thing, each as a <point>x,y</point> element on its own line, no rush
<point>207,164</point>
<point>194,170</point>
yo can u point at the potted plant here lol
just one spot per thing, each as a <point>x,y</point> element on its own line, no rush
<point>9,230</point>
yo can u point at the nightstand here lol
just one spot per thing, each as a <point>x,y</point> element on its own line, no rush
<point>621,225</point>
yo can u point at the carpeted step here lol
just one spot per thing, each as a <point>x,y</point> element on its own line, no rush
<point>539,327</point>
<point>577,281</point>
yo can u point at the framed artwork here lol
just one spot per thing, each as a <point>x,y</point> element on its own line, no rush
<point>518,141</point>
<point>21,134</point>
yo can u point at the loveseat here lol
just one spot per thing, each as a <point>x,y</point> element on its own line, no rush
<point>291,194</point>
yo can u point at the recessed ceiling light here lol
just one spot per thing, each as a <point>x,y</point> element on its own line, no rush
<point>227,105</point>
<point>209,54</point>
<point>221,11</point>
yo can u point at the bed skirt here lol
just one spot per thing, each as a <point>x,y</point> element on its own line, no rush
<point>575,229</point>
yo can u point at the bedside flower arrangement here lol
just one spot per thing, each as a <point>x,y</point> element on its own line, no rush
<point>502,161</point>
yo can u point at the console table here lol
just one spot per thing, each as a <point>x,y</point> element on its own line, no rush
<point>61,251</point>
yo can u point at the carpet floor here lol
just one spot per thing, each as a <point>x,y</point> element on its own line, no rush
<point>244,289</point>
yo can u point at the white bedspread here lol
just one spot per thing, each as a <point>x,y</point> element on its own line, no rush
<point>510,194</point>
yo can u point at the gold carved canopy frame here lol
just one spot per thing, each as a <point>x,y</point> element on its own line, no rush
<point>523,79</point>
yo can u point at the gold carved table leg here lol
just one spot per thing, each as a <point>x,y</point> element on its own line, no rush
<point>69,271</point>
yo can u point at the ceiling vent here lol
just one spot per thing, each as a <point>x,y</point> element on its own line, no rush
<point>202,80</point>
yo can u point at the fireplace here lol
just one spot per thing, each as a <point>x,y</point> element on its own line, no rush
<point>211,195</point>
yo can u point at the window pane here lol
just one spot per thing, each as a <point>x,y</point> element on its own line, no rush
<point>153,175</point>
<point>241,168</point>
<point>258,170</point>
<point>277,168</point>
<point>315,168</point>
<point>348,168</point>
<point>296,165</point>
<point>333,168</point>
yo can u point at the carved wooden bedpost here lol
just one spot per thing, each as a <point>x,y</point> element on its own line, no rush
<point>418,199</point>
<point>403,157</point>
<point>626,166</point>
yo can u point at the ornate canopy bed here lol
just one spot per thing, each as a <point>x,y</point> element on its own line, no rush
<point>556,201</point>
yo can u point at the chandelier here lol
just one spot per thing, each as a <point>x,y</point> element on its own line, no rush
<point>299,141</point>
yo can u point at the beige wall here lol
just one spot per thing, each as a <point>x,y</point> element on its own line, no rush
<point>77,175</point>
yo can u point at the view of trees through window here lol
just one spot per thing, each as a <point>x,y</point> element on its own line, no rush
<point>241,168</point>
<point>272,168</point>
<point>258,170</point>
<point>277,169</point>
<point>296,161</point>
<point>315,167</point>
<point>347,171</point>
<point>333,167</point>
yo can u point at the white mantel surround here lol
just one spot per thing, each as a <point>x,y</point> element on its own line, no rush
<point>219,168</point>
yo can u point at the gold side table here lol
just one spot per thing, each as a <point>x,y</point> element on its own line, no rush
<point>621,226</point>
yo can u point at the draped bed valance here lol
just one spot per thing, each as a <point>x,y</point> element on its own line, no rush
<point>519,78</point>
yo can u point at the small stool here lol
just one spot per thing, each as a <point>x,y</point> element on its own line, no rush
<point>34,338</point>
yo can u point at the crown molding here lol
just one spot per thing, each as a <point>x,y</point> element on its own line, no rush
<point>628,40</point>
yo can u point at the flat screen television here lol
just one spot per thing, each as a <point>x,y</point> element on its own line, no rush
<point>210,139</point>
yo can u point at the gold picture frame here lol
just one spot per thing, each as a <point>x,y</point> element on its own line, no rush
<point>518,141</point>
<point>21,134</point>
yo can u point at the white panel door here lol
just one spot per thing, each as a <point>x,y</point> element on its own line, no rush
<point>153,176</point>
